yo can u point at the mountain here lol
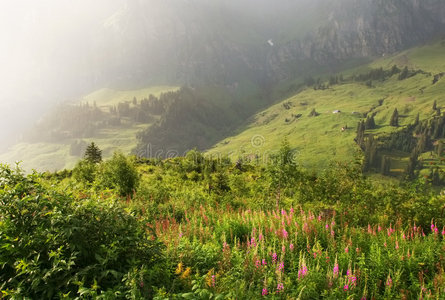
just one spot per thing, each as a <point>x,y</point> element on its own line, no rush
<point>195,41</point>
<point>343,100</point>
<point>234,59</point>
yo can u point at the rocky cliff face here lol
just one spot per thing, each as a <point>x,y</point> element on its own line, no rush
<point>198,41</point>
<point>360,29</point>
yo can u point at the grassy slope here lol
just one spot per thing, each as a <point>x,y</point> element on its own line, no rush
<point>55,156</point>
<point>107,97</point>
<point>319,140</point>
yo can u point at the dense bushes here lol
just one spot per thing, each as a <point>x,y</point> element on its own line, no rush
<point>55,246</point>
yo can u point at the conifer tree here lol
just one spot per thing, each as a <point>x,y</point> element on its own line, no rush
<point>394,118</point>
<point>93,154</point>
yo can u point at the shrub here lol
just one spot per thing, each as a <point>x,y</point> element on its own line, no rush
<point>120,173</point>
<point>53,246</point>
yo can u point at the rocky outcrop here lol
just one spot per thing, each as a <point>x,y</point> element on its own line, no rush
<point>197,41</point>
<point>360,29</point>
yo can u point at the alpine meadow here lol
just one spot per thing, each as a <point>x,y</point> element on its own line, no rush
<point>224,149</point>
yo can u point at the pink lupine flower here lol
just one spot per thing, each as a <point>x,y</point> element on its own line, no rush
<point>264,292</point>
<point>347,249</point>
<point>252,242</point>
<point>263,262</point>
<point>180,235</point>
<point>348,272</point>
<point>283,249</point>
<point>225,246</point>
<point>357,250</point>
<point>389,281</point>
<point>346,287</point>
<point>281,266</point>
<point>285,234</point>
<point>257,264</point>
<point>384,244</point>
<point>397,244</point>
<point>443,231</point>
<point>332,233</point>
<point>280,287</point>
<point>326,226</point>
<point>302,271</point>
<point>335,270</point>
<point>213,280</point>
<point>291,247</point>
<point>274,257</point>
<point>283,212</point>
<point>292,210</point>
<point>319,218</point>
<point>379,228</point>
<point>260,237</point>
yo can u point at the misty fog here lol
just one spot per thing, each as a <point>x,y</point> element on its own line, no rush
<point>56,50</point>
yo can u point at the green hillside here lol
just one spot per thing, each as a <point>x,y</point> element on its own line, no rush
<point>320,139</point>
<point>55,153</point>
<point>106,96</point>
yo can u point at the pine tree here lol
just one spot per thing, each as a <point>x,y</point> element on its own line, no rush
<point>370,123</point>
<point>440,149</point>
<point>386,165</point>
<point>435,105</point>
<point>416,122</point>
<point>313,113</point>
<point>394,118</point>
<point>360,133</point>
<point>93,154</point>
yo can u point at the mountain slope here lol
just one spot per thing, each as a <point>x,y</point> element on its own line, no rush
<point>318,140</point>
<point>59,139</point>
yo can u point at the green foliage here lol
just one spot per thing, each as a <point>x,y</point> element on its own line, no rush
<point>54,246</point>
<point>85,171</point>
<point>394,118</point>
<point>120,173</point>
<point>93,154</point>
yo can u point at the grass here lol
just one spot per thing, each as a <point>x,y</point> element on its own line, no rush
<point>319,140</point>
<point>56,156</point>
<point>107,96</point>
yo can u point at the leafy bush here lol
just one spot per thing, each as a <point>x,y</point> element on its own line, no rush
<point>85,171</point>
<point>120,173</point>
<point>54,246</point>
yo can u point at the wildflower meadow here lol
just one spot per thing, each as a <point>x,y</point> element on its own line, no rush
<point>201,228</point>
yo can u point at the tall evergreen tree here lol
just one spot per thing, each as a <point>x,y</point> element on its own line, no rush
<point>93,154</point>
<point>435,105</point>
<point>417,120</point>
<point>386,165</point>
<point>394,118</point>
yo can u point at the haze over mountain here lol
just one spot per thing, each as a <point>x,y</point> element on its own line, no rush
<point>61,50</point>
